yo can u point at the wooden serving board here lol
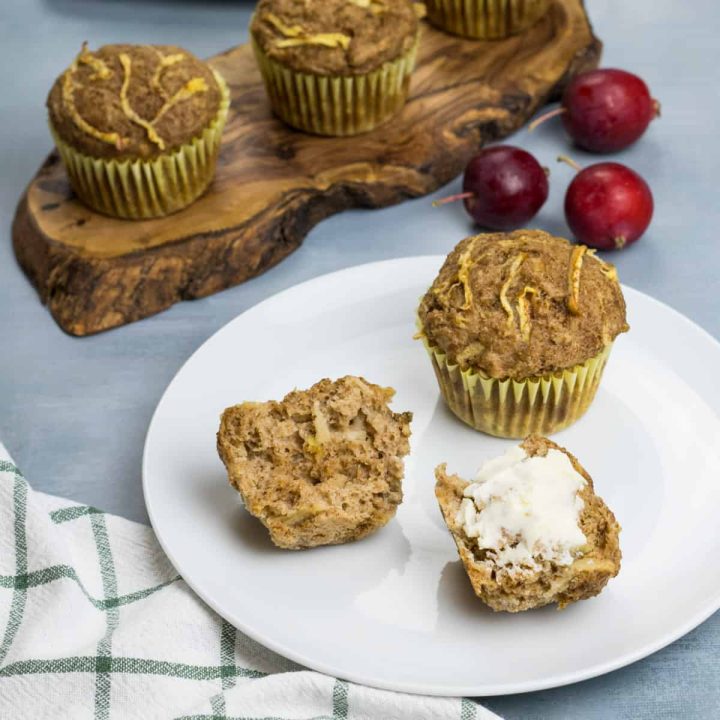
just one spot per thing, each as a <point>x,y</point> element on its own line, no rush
<point>273,183</point>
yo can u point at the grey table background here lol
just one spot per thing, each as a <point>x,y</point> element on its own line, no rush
<point>74,411</point>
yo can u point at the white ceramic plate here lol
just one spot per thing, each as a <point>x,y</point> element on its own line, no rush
<point>395,610</point>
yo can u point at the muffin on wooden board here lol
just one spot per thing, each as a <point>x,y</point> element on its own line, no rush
<point>485,19</point>
<point>335,67</point>
<point>519,327</point>
<point>323,466</point>
<point>530,530</point>
<point>138,127</point>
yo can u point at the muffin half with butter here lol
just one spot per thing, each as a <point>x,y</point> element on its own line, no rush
<point>530,529</point>
<point>336,67</point>
<point>519,327</point>
<point>138,127</point>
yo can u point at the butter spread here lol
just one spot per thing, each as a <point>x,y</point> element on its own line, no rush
<point>524,510</point>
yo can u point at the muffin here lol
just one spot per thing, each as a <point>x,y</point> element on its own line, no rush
<point>519,327</point>
<point>530,530</point>
<point>323,466</point>
<point>336,67</point>
<point>485,19</point>
<point>138,127</point>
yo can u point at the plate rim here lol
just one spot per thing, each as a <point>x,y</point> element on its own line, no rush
<point>711,605</point>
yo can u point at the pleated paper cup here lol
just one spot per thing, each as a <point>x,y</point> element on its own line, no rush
<point>485,19</point>
<point>516,408</point>
<point>142,189</point>
<point>336,105</point>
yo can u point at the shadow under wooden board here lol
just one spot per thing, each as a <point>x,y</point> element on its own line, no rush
<point>274,183</point>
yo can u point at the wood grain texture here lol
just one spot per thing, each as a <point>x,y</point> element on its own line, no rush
<point>273,183</point>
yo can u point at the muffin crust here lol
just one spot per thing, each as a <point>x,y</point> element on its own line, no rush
<point>133,101</point>
<point>522,304</point>
<point>335,37</point>
<point>551,583</point>
<point>323,466</point>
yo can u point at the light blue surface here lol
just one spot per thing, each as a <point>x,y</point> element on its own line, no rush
<point>75,411</point>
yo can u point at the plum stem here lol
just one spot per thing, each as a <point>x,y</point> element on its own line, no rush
<point>570,162</point>
<point>656,107</point>
<point>546,116</point>
<point>452,198</point>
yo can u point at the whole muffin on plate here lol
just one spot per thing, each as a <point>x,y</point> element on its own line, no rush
<point>138,127</point>
<point>335,67</point>
<point>519,327</point>
<point>485,19</point>
<point>320,467</point>
<point>530,529</point>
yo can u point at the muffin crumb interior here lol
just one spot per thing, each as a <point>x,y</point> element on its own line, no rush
<point>324,465</point>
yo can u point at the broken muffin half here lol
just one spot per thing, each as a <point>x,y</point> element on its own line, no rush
<point>321,467</point>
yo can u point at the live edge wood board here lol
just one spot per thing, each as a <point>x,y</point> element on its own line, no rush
<point>273,183</point>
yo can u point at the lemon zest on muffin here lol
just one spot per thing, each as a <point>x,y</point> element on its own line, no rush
<point>576,261</point>
<point>131,115</point>
<point>523,300</point>
<point>286,30</point>
<point>296,35</point>
<point>607,268</point>
<point>191,87</point>
<point>515,264</point>
<point>68,89</point>
<point>464,266</point>
<point>610,271</point>
<point>165,61</point>
<point>102,71</point>
<point>465,263</point>
<point>330,40</point>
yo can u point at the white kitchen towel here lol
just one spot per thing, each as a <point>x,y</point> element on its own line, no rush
<point>97,624</point>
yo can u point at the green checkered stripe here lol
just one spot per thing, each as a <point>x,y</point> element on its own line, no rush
<point>104,665</point>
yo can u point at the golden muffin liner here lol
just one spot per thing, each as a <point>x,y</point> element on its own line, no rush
<point>141,189</point>
<point>515,408</point>
<point>336,105</point>
<point>485,19</point>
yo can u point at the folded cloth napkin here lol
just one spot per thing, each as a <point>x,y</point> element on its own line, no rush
<point>96,623</point>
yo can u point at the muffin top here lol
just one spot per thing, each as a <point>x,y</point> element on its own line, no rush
<point>133,101</point>
<point>335,37</point>
<point>522,304</point>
